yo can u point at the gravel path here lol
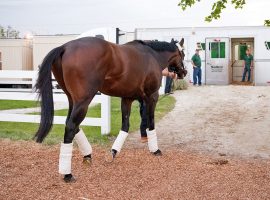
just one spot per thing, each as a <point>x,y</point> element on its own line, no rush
<point>233,120</point>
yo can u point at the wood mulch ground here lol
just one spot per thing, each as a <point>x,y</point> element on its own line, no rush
<point>30,171</point>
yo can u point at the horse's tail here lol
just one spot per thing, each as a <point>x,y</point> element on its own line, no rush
<point>44,89</point>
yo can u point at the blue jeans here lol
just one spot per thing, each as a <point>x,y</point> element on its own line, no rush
<point>168,86</point>
<point>197,72</point>
<point>245,72</point>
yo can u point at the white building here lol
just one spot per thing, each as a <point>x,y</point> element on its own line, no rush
<point>16,54</point>
<point>222,50</point>
<point>42,44</point>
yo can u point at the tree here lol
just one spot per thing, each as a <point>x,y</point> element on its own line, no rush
<point>2,32</point>
<point>217,8</point>
<point>9,32</point>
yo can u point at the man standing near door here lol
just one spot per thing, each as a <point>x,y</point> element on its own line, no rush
<point>197,71</point>
<point>248,65</point>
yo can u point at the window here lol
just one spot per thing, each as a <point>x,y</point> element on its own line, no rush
<point>242,51</point>
<point>236,52</point>
<point>0,60</point>
<point>217,49</point>
<point>267,44</point>
<point>201,46</point>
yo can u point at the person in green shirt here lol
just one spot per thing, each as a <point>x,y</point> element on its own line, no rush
<point>248,65</point>
<point>197,71</point>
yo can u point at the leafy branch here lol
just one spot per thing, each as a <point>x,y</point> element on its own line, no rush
<point>267,22</point>
<point>217,8</point>
<point>8,32</point>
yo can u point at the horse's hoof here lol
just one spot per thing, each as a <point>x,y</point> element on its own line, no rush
<point>110,156</point>
<point>157,153</point>
<point>69,178</point>
<point>87,160</point>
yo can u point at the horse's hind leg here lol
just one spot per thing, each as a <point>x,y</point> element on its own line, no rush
<point>72,131</point>
<point>70,107</point>
<point>151,133</point>
<point>118,143</point>
<point>80,138</point>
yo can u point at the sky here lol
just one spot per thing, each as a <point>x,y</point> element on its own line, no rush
<point>77,16</point>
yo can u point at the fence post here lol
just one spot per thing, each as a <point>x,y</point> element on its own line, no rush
<point>162,87</point>
<point>34,78</point>
<point>106,115</point>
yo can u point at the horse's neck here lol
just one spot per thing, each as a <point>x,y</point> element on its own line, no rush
<point>163,58</point>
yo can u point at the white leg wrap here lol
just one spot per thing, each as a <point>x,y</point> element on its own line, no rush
<point>83,144</point>
<point>65,158</point>
<point>152,140</point>
<point>118,143</point>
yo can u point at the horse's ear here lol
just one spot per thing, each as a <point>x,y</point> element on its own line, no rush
<point>181,42</point>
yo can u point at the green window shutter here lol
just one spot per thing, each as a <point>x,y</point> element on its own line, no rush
<point>267,44</point>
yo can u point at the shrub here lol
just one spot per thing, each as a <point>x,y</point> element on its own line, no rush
<point>180,84</point>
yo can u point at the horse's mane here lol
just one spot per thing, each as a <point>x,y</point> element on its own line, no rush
<point>156,45</point>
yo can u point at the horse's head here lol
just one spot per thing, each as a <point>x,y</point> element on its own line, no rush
<point>176,63</point>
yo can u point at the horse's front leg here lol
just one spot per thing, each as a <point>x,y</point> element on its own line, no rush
<point>118,143</point>
<point>151,132</point>
<point>144,119</point>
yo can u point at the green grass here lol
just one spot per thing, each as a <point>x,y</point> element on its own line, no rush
<point>14,104</point>
<point>25,131</point>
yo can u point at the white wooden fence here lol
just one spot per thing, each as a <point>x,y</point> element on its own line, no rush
<point>29,77</point>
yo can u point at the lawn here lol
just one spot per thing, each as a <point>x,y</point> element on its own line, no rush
<point>25,131</point>
<point>14,104</point>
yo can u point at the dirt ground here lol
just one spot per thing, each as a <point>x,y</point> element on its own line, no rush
<point>232,120</point>
<point>215,145</point>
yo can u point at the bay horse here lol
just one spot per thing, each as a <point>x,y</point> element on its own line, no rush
<point>83,67</point>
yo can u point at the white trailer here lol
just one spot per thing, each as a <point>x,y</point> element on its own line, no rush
<point>222,50</point>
